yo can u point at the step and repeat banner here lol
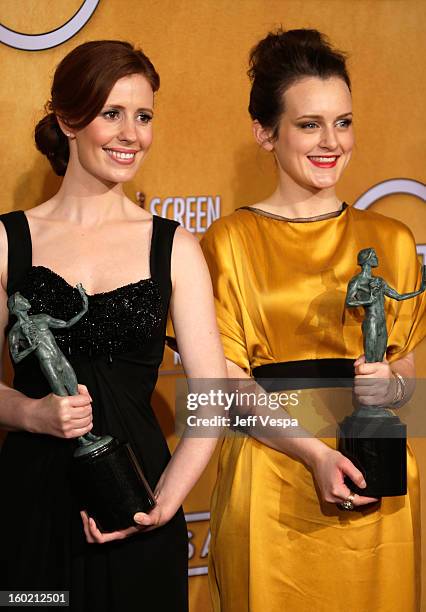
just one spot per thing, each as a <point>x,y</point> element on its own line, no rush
<point>204,162</point>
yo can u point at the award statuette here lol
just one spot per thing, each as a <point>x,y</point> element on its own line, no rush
<point>373,437</point>
<point>110,482</point>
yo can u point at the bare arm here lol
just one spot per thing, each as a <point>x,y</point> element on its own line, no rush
<point>194,321</point>
<point>406,367</point>
<point>13,404</point>
<point>66,417</point>
<point>200,348</point>
<point>327,465</point>
<point>303,448</point>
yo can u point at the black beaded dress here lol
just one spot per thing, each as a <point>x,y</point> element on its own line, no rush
<point>116,350</point>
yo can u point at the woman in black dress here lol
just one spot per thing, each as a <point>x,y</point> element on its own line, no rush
<point>133,266</point>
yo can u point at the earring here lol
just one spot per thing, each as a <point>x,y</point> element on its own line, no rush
<point>68,134</point>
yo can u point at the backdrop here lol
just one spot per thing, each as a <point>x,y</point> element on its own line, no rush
<point>204,162</point>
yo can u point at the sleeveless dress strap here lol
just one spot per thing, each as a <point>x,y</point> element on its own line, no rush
<point>19,259</point>
<point>163,231</point>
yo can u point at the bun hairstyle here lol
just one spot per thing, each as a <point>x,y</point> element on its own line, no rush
<point>81,85</point>
<point>281,59</point>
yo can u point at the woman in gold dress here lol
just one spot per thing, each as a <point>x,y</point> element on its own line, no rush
<point>280,269</point>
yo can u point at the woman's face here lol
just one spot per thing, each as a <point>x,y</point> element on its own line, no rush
<point>114,144</point>
<point>315,137</point>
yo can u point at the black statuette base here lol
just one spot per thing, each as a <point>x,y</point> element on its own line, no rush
<point>111,485</point>
<point>377,446</point>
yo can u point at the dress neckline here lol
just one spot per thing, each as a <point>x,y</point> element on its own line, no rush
<point>99,293</point>
<point>323,217</point>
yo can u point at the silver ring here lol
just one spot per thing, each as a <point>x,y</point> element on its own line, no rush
<point>348,504</point>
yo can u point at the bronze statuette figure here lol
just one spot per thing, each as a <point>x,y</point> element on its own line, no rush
<point>110,482</point>
<point>373,437</point>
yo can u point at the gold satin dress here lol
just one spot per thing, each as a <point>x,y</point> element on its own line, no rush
<point>280,288</point>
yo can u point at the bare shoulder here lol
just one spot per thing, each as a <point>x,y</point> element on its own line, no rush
<point>43,210</point>
<point>185,244</point>
<point>3,238</point>
<point>187,258</point>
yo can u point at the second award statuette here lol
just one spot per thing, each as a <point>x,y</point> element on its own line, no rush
<point>111,484</point>
<point>373,437</point>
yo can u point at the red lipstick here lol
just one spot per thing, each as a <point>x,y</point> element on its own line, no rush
<point>323,161</point>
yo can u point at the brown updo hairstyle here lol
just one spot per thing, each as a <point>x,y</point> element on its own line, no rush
<point>81,85</point>
<point>281,59</point>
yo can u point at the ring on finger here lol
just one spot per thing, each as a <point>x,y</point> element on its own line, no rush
<point>347,504</point>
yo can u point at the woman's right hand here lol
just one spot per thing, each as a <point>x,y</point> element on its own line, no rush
<point>64,417</point>
<point>329,468</point>
<point>157,517</point>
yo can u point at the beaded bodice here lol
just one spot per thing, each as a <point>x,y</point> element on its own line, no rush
<point>129,319</point>
<point>117,321</point>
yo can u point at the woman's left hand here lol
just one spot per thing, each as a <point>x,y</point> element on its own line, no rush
<point>374,382</point>
<point>144,522</point>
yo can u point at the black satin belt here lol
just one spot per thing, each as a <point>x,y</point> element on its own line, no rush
<point>305,374</point>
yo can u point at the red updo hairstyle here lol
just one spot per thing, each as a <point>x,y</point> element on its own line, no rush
<point>81,85</point>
